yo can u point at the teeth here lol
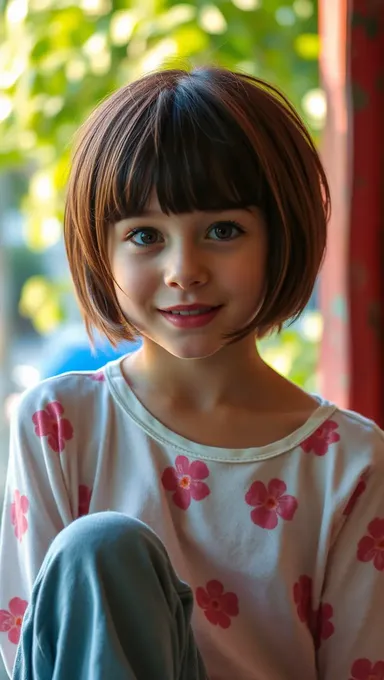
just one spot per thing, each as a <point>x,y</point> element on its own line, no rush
<point>192,313</point>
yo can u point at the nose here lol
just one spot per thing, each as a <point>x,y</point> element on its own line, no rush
<point>185,268</point>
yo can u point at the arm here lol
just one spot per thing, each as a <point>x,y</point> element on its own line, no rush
<point>36,508</point>
<point>350,625</point>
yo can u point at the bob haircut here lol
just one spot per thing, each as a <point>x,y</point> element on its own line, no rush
<point>204,139</point>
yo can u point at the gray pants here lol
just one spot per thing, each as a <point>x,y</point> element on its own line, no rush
<point>107,605</point>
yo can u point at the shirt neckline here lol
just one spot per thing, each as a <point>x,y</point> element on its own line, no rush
<point>127,400</point>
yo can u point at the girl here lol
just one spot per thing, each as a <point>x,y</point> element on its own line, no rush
<point>195,219</point>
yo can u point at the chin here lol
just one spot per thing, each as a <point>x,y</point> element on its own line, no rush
<point>193,350</point>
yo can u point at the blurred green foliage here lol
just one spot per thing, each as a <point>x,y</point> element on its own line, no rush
<point>295,352</point>
<point>59,59</point>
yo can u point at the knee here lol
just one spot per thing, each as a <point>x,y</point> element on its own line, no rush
<point>103,533</point>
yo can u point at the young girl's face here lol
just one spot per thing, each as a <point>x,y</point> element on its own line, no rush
<point>214,259</point>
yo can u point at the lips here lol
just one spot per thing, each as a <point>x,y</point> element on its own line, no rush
<point>196,308</point>
<point>190,312</point>
<point>190,316</point>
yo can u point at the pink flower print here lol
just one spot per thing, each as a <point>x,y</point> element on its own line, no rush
<point>320,440</point>
<point>363,669</point>
<point>10,621</point>
<point>218,606</point>
<point>371,548</point>
<point>302,595</point>
<point>323,627</point>
<point>360,488</point>
<point>98,377</point>
<point>19,508</point>
<point>318,621</point>
<point>85,494</point>
<point>49,423</point>
<point>185,481</point>
<point>270,503</point>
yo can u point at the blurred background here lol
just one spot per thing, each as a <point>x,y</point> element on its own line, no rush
<point>58,59</point>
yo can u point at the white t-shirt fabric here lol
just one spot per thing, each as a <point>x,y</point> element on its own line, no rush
<point>282,545</point>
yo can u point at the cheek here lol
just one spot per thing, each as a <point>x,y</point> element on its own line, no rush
<point>135,285</point>
<point>246,278</point>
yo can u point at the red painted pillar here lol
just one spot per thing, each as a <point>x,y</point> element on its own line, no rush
<point>366,254</point>
<point>352,283</point>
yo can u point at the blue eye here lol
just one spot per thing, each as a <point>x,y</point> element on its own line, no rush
<point>226,231</point>
<point>147,235</point>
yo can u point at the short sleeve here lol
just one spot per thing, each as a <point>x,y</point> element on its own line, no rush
<point>36,508</point>
<point>350,625</point>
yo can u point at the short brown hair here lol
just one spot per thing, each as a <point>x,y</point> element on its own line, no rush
<point>205,139</point>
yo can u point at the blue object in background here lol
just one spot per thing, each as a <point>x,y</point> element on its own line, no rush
<point>70,350</point>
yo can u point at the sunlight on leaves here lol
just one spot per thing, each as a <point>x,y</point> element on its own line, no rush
<point>42,189</point>
<point>48,318</point>
<point>190,40</point>
<point>314,104</point>
<point>6,106</point>
<point>27,140</point>
<point>212,20</point>
<point>75,69</point>
<point>279,358</point>
<point>96,7</point>
<point>12,69</point>
<point>247,5</point>
<point>40,5</point>
<point>303,8</point>
<point>121,26</point>
<point>312,326</point>
<point>95,44</point>
<point>35,293</point>
<point>295,352</point>
<point>50,231</point>
<point>40,302</point>
<point>100,63</point>
<point>16,11</point>
<point>156,57</point>
<point>307,46</point>
<point>176,15</point>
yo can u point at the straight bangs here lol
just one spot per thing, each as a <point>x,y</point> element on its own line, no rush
<point>191,152</point>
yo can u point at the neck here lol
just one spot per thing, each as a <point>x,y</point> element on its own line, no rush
<point>229,377</point>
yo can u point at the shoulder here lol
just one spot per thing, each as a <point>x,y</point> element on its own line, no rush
<point>71,394</point>
<point>359,439</point>
<point>358,428</point>
<point>346,445</point>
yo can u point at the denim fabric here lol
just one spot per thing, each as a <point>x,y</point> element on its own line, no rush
<point>107,605</point>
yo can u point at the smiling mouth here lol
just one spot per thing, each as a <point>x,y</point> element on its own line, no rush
<point>193,312</point>
<point>190,318</point>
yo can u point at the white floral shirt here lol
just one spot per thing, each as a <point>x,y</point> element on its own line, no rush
<point>282,545</point>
